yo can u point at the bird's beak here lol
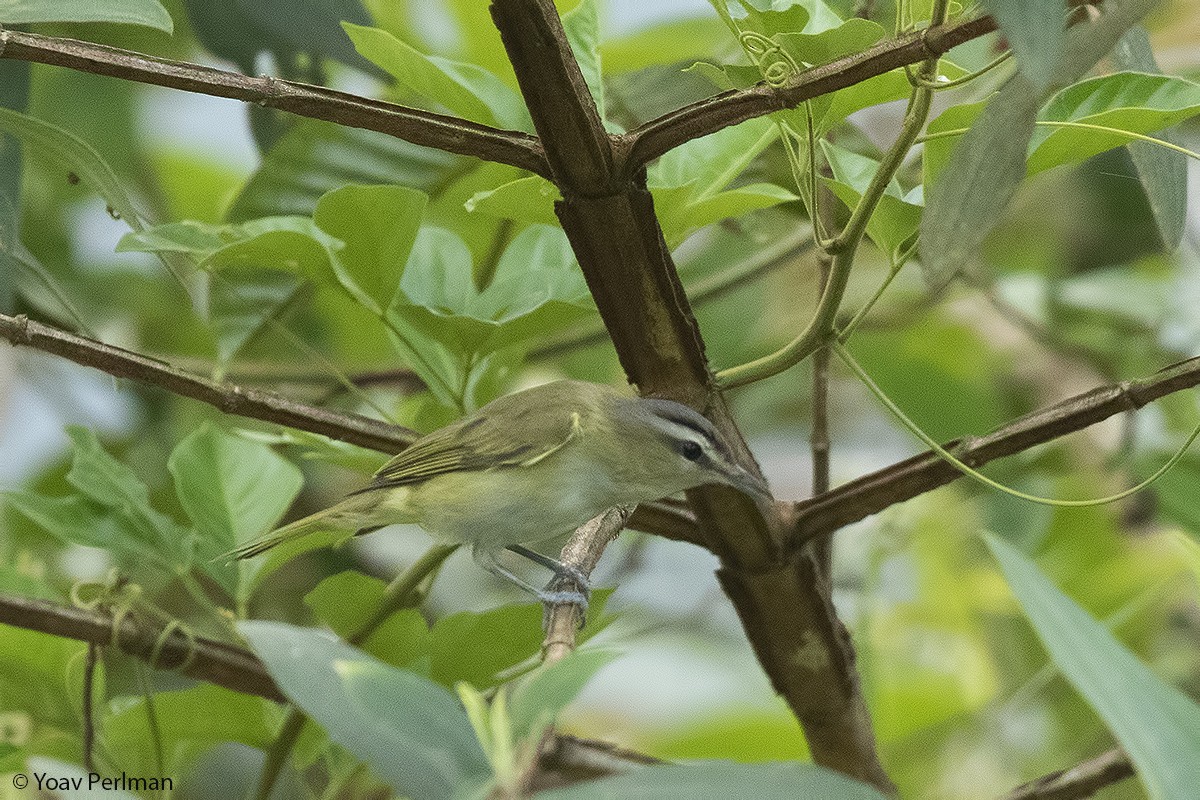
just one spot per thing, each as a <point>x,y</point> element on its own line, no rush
<point>742,479</point>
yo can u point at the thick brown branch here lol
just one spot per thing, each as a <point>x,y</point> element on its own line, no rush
<point>870,494</point>
<point>1078,782</point>
<point>229,398</point>
<point>710,115</point>
<point>426,128</point>
<point>609,218</point>
<point>202,659</point>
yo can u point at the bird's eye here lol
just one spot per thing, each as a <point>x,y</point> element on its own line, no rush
<point>691,450</point>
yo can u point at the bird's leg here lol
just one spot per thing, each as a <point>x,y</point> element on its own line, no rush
<point>569,586</point>
<point>555,592</point>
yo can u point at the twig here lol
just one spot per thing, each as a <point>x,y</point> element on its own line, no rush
<point>582,552</point>
<point>426,128</point>
<point>870,494</point>
<point>648,142</point>
<point>570,760</point>
<point>1080,781</point>
<point>229,398</point>
<point>204,659</point>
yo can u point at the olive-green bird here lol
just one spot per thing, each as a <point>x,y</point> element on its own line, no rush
<point>532,466</point>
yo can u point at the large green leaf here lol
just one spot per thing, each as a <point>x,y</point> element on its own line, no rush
<point>71,152</point>
<point>233,489</point>
<point>348,600</point>
<point>989,163</point>
<point>1035,29</point>
<point>412,732</point>
<point>546,691</point>
<point>316,157</point>
<point>896,218</point>
<point>189,721</point>
<point>981,177</point>
<point>468,90</point>
<point>1158,726</point>
<point>108,483</point>
<point>377,226</point>
<point>149,13</point>
<point>1127,101</point>
<point>1163,172</point>
<point>537,289</point>
<point>721,779</point>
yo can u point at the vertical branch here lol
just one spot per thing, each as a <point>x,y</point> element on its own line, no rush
<point>609,218</point>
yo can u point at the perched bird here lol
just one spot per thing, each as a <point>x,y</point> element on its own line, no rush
<point>530,466</point>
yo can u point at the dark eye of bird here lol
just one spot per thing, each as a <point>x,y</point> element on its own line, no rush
<point>691,450</point>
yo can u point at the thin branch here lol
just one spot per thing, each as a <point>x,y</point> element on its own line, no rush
<point>426,128</point>
<point>1080,781</point>
<point>229,398</point>
<point>567,759</point>
<point>870,494</point>
<point>648,142</point>
<point>199,658</point>
<point>582,551</point>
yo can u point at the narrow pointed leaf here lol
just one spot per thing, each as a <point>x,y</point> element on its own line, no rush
<point>1158,726</point>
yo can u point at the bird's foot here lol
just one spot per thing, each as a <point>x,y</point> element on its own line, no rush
<point>568,587</point>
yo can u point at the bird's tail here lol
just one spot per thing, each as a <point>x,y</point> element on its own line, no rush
<point>352,514</point>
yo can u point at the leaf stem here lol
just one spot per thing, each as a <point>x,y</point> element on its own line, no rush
<point>845,246</point>
<point>967,470</point>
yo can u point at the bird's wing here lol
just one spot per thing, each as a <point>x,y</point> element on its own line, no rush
<point>506,437</point>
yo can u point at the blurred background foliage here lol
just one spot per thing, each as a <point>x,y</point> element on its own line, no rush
<point>1074,289</point>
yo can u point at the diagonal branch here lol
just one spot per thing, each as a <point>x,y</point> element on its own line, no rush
<point>426,128</point>
<point>1078,782</point>
<point>200,658</point>
<point>567,759</point>
<point>710,115</point>
<point>229,398</point>
<point>870,494</point>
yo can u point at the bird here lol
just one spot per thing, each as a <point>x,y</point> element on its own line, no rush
<point>534,465</point>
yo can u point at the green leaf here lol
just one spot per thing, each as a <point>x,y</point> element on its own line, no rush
<point>189,236</point>
<point>814,49</point>
<point>74,520</point>
<point>233,489</point>
<point>476,647</point>
<point>149,13</point>
<point>1163,172</point>
<point>347,600</point>
<point>112,485</point>
<point>958,215</point>
<point>316,157</point>
<point>1127,101</point>
<point>721,779</point>
<point>537,289</point>
<point>189,720</point>
<point>70,152</point>
<point>687,182</point>
<point>378,225</point>
<point>1036,31</point>
<point>410,731</point>
<point>468,90</point>
<point>528,199</point>
<point>543,693</point>
<point>1158,726</point>
<point>242,302</point>
<point>582,26</point>
<point>895,220</point>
